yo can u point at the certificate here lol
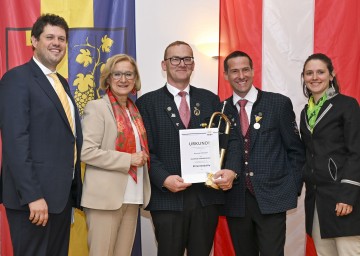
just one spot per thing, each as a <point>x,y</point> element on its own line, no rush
<point>199,151</point>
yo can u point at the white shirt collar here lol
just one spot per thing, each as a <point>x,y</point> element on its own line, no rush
<point>174,91</point>
<point>251,96</point>
<point>44,69</point>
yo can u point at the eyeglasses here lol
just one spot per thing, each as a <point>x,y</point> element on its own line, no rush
<point>127,75</point>
<point>177,60</point>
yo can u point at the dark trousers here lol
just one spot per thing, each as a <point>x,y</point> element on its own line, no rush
<point>30,240</point>
<point>192,229</point>
<point>257,233</point>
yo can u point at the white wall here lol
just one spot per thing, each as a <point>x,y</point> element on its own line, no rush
<point>158,23</point>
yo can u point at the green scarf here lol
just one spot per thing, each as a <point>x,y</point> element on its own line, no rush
<point>314,109</point>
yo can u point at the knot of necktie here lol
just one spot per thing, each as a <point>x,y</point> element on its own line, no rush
<point>242,103</point>
<point>182,94</point>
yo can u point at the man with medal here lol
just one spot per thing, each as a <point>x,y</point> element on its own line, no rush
<point>272,157</point>
<point>184,215</point>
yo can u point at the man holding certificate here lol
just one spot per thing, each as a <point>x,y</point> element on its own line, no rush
<point>185,214</point>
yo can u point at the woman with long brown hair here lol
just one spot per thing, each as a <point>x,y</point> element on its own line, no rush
<point>330,129</point>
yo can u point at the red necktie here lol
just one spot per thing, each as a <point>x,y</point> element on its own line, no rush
<point>244,120</point>
<point>184,109</point>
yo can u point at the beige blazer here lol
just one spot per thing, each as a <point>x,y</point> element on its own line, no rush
<point>106,172</point>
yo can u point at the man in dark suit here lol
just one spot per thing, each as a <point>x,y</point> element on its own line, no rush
<point>42,139</point>
<point>272,159</point>
<point>185,215</point>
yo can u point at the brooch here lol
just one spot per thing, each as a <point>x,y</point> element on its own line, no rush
<point>196,111</point>
<point>258,117</point>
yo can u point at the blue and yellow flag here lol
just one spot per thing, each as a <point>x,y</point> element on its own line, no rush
<point>98,30</point>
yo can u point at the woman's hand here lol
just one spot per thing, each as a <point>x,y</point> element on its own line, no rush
<point>343,209</point>
<point>139,159</point>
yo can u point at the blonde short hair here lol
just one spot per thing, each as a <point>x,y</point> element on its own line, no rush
<point>109,66</point>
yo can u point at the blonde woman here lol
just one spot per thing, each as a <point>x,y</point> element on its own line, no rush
<point>116,154</point>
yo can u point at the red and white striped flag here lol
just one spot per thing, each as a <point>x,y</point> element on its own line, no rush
<point>279,35</point>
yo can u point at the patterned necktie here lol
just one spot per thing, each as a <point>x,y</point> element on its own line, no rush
<point>244,123</point>
<point>63,97</point>
<point>184,109</point>
<point>244,120</point>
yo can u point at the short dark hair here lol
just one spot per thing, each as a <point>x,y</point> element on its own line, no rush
<point>176,43</point>
<point>234,55</point>
<point>53,20</point>
<point>322,57</point>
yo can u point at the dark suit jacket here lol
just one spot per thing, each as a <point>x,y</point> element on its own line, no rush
<point>276,156</point>
<point>332,173</point>
<point>38,144</point>
<point>162,122</point>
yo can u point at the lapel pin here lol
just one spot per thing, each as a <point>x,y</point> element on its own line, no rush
<point>168,108</point>
<point>258,117</point>
<point>196,111</point>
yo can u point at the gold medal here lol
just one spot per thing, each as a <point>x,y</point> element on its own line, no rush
<point>258,117</point>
